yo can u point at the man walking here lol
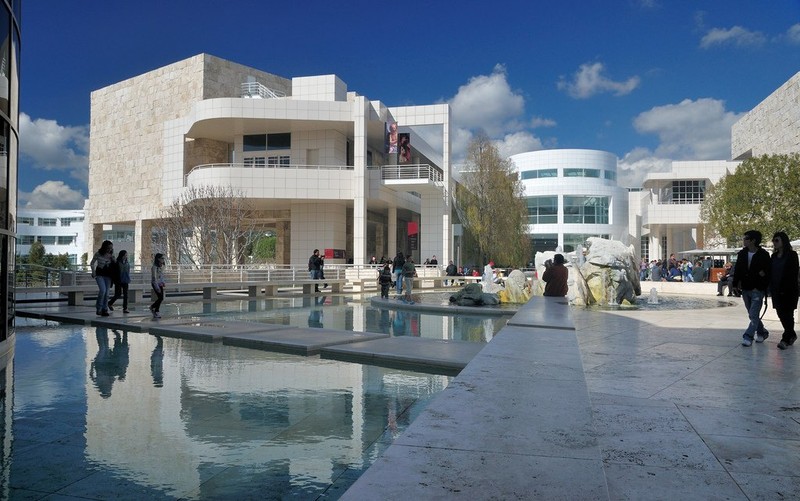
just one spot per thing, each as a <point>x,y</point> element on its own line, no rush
<point>751,276</point>
<point>315,267</point>
<point>397,270</point>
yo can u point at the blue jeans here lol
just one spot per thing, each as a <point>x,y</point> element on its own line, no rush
<point>103,285</point>
<point>753,300</point>
<point>399,281</point>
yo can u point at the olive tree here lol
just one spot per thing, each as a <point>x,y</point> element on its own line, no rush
<point>763,194</point>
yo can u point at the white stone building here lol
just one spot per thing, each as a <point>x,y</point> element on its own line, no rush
<point>310,155</point>
<point>60,231</point>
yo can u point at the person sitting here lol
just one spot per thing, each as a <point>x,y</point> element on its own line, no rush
<point>698,272</point>
<point>674,274</point>
<point>555,276</point>
<point>726,280</point>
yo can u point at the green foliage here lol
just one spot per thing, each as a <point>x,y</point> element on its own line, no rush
<point>264,248</point>
<point>762,194</point>
<point>36,254</point>
<point>492,206</point>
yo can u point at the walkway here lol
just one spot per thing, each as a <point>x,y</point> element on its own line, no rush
<point>677,409</point>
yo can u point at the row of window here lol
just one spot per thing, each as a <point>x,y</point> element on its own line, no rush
<point>267,142</point>
<point>549,241</point>
<point>568,172</point>
<point>276,161</point>
<point>48,221</point>
<point>577,209</point>
<point>46,239</point>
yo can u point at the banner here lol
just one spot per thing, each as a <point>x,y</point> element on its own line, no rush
<point>391,137</point>
<point>404,140</point>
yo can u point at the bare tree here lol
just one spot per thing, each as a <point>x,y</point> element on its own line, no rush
<point>491,205</point>
<point>208,225</point>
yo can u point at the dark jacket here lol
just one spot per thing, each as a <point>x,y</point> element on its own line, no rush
<point>754,276</point>
<point>314,262</point>
<point>451,270</point>
<point>784,289</point>
<point>555,277</point>
<point>398,263</point>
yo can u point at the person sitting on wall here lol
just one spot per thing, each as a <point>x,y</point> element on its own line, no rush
<point>555,276</point>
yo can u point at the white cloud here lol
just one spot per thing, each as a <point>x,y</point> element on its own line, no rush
<point>738,36</point>
<point>589,80</point>
<point>793,34</point>
<point>696,130</point>
<point>517,142</point>
<point>55,147</point>
<point>52,195</point>
<point>637,164</point>
<point>542,122</point>
<point>487,102</point>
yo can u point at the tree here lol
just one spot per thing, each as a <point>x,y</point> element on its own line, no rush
<point>491,204</point>
<point>763,194</point>
<point>208,225</point>
<point>36,254</point>
<point>264,248</point>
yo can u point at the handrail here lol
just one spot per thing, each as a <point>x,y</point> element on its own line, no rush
<point>414,171</point>
<point>259,91</point>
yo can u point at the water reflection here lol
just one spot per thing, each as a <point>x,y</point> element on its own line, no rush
<point>110,364</point>
<point>181,413</point>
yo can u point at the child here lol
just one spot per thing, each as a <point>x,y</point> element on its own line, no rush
<point>385,280</point>
<point>121,281</point>
<point>157,282</point>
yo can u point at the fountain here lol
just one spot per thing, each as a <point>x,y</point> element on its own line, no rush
<point>653,299</point>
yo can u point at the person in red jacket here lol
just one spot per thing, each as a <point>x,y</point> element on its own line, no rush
<point>555,276</point>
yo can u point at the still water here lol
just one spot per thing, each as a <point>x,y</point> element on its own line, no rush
<point>105,414</point>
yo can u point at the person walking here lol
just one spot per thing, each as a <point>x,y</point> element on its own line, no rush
<point>555,276</point>
<point>751,275</point>
<point>101,272</point>
<point>783,286</point>
<point>397,270</point>
<point>409,272</point>
<point>157,282</point>
<point>315,268</point>
<point>122,278</point>
<point>385,280</point>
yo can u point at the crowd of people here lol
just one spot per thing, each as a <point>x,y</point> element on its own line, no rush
<point>676,270</point>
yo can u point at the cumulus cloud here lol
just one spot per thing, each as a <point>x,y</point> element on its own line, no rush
<point>697,130</point>
<point>793,34</point>
<point>637,164</point>
<point>488,103</point>
<point>55,147</point>
<point>52,195</point>
<point>517,142</point>
<point>737,36</point>
<point>589,80</point>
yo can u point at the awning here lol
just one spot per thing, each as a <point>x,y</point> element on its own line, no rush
<point>712,252</point>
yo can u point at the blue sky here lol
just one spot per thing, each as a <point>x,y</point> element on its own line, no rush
<point>648,80</point>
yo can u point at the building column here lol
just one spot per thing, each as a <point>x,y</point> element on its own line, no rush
<point>143,243</point>
<point>392,251</point>
<point>360,115</point>
<point>283,243</point>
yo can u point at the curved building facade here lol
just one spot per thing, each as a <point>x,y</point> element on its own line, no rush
<point>572,194</point>
<point>9,148</point>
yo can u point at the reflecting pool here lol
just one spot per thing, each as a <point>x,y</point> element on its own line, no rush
<point>98,413</point>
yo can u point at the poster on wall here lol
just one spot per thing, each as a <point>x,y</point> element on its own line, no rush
<point>391,137</point>
<point>413,235</point>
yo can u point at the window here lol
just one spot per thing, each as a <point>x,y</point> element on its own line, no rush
<point>279,141</point>
<point>573,241</point>
<point>539,173</point>
<point>25,220</point>
<point>610,175</point>
<point>255,162</point>
<point>644,247</point>
<point>586,210</point>
<point>579,172</point>
<point>542,210</point>
<point>280,161</point>
<point>256,142</point>
<point>65,240</point>
<point>67,221</point>
<point>688,192</point>
<point>47,239</point>
<point>26,239</point>
<point>47,221</point>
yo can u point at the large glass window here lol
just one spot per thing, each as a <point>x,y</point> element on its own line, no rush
<point>580,172</point>
<point>542,242</point>
<point>586,210</point>
<point>688,191</point>
<point>65,240</point>
<point>47,239</point>
<point>256,142</point>
<point>23,220</point>
<point>67,221</point>
<point>644,247</point>
<point>610,175</point>
<point>542,210</point>
<point>538,173</point>
<point>47,221</point>
<point>574,241</point>
<point>279,141</point>
<point>26,239</point>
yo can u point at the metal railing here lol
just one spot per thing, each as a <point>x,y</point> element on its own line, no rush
<point>259,91</point>
<point>267,166</point>
<point>416,171</point>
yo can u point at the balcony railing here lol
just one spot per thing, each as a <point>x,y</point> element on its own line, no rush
<point>255,90</point>
<point>267,166</point>
<point>417,171</point>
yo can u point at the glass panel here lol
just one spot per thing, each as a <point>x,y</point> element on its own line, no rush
<point>542,210</point>
<point>281,141</point>
<point>5,59</point>
<point>256,142</point>
<point>586,210</point>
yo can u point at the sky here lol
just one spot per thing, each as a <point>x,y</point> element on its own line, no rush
<point>651,81</point>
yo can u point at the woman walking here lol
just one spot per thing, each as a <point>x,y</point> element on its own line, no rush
<point>783,286</point>
<point>101,272</point>
<point>157,282</point>
<point>123,279</point>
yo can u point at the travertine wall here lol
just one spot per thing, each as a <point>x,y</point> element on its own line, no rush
<point>126,129</point>
<point>204,151</point>
<point>772,127</point>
